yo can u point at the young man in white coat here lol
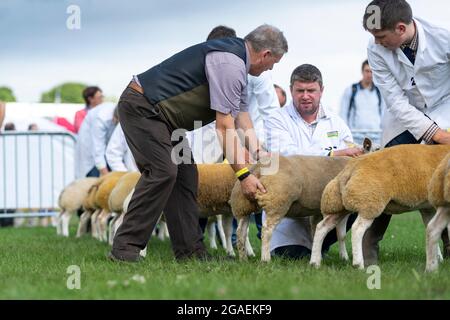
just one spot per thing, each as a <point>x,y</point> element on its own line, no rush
<point>305,126</point>
<point>410,61</point>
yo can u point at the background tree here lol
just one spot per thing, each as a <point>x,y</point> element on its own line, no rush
<point>7,95</point>
<point>69,92</point>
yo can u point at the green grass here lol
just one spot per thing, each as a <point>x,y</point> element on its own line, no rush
<point>34,262</point>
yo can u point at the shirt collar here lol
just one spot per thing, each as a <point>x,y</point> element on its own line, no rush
<point>247,57</point>
<point>322,114</point>
<point>414,44</point>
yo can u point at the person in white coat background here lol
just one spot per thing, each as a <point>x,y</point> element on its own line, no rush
<point>92,140</point>
<point>118,154</point>
<point>305,126</point>
<point>410,61</point>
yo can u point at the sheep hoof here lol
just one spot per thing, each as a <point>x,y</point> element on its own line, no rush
<point>359,266</point>
<point>315,264</point>
<point>344,256</point>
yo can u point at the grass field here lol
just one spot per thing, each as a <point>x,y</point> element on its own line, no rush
<point>34,263</point>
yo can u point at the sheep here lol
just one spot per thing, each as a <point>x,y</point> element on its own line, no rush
<point>215,183</point>
<point>70,201</point>
<point>214,188</point>
<point>439,197</point>
<point>121,190</point>
<point>105,188</point>
<point>89,208</point>
<point>393,180</point>
<point>293,191</point>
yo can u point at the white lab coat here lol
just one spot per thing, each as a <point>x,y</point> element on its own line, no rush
<point>407,104</point>
<point>102,129</point>
<point>288,134</point>
<point>118,154</point>
<point>91,138</point>
<point>262,99</point>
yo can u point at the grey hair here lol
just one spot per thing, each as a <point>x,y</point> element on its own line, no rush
<point>268,37</point>
<point>307,73</point>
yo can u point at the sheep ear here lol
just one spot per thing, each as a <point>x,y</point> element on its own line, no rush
<point>367,144</point>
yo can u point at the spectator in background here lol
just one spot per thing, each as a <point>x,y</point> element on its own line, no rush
<point>362,107</point>
<point>92,140</point>
<point>33,127</point>
<point>9,126</point>
<point>2,112</point>
<point>93,96</point>
<point>118,154</point>
<point>281,94</point>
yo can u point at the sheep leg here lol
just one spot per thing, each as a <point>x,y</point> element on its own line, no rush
<point>166,230</point>
<point>273,217</point>
<point>143,252</point>
<point>119,221</point>
<point>83,224</point>
<point>228,228</point>
<point>65,220</point>
<point>94,223</point>
<point>427,216</point>
<point>211,227</point>
<point>58,223</point>
<point>341,231</point>
<point>248,246</point>
<point>322,229</point>
<point>221,231</point>
<point>242,234</point>
<point>111,228</point>
<point>358,230</point>
<point>104,225</point>
<point>434,231</point>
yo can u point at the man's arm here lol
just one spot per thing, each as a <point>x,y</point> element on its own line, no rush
<point>244,123</point>
<point>2,112</point>
<point>396,100</point>
<point>236,155</point>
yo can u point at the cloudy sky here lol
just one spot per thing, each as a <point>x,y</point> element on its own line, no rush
<point>121,38</point>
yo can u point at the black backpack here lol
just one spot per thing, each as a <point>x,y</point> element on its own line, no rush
<point>351,105</point>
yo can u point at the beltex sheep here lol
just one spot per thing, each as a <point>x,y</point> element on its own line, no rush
<point>70,201</point>
<point>293,191</point>
<point>439,197</point>
<point>393,180</point>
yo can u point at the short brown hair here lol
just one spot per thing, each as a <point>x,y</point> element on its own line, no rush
<point>221,32</point>
<point>392,12</point>
<point>307,73</point>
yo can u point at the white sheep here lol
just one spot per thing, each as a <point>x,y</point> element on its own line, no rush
<point>439,197</point>
<point>70,201</point>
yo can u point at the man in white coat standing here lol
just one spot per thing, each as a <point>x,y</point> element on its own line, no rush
<point>410,61</point>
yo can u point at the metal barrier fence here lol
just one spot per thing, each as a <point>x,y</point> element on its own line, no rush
<point>34,168</point>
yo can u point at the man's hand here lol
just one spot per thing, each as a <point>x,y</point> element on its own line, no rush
<point>250,185</point>
<point>350,152</point>
<point>103,171</point>
<point>442,137</point>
